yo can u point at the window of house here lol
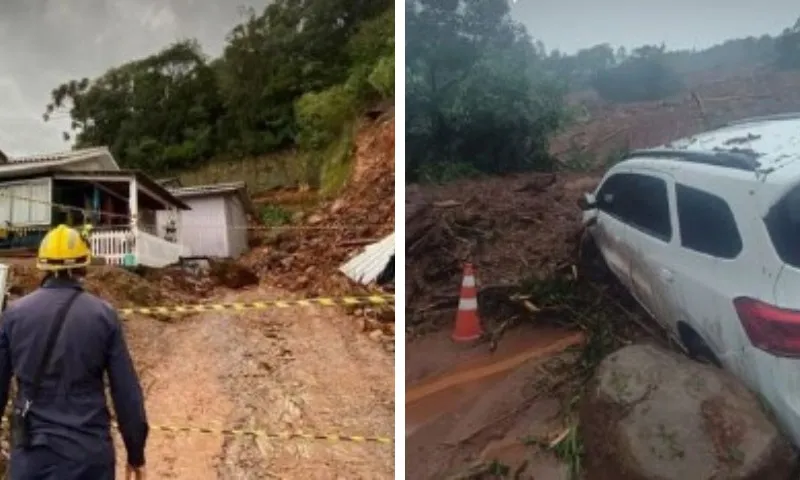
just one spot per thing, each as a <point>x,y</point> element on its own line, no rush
<point>707,223</point>
<point>25,203</point>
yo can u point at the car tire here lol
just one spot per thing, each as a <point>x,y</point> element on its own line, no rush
<point>591,264</point>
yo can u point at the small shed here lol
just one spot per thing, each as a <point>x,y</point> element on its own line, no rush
<point>216,225</point>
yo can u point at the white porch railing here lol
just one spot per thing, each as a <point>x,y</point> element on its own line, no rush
<point>128,247</point>
<point>112,245</point>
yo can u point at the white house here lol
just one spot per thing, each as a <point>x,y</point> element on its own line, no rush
<point>216,224</point>
<point>86,186</point>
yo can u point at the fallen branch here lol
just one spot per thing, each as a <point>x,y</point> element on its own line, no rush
<point>629,314</point>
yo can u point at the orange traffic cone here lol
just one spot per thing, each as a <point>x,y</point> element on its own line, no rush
<point>468,323</point>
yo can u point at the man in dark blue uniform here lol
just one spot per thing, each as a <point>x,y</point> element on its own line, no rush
<point>67,421</point>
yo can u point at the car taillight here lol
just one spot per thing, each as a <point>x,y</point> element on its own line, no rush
<point>772,329</point>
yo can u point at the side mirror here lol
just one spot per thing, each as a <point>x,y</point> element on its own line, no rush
<point>587,202</point>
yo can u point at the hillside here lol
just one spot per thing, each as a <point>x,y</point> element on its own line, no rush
<point>286,92</point>
<point>611,128</point>
<point>307,258</point>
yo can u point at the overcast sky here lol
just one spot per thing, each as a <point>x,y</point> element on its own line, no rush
<point>46,42</point>
<point>570,25</point>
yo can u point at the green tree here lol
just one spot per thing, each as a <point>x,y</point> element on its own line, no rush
<point>156,113</point>
<point>274,58</point>
<point>290,75</point>
<point>476,96</point>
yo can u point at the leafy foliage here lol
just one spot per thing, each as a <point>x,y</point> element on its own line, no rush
<point>275,215</point>
<point>291,75</point>
<point>475,96</point>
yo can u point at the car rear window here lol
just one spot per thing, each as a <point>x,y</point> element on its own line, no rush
<point>783,225</point>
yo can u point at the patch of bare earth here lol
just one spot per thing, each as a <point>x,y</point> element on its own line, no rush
<point>725,430</point>
<point>279,370</point>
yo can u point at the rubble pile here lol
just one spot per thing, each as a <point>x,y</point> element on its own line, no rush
<point>307,259</point>
<point>510,228</point>
<point>120,287</point>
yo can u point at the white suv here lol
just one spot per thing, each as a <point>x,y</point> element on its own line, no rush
<point>705,234</point>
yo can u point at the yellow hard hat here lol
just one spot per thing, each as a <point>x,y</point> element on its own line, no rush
<point>63,248</point>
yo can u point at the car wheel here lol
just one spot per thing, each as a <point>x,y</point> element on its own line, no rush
<point>591,264</point>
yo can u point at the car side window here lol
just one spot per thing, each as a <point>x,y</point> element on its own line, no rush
<point>613,197</point>
<point>707,223</point>
<point>649,207</point>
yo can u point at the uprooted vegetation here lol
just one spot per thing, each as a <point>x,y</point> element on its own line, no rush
<point>523,236</point>
<point>509,228</point>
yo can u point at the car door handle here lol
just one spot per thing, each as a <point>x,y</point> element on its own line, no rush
<point>666,275</point>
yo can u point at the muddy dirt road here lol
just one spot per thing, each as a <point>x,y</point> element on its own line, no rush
<point>470,406</point>
<point>297,369</point>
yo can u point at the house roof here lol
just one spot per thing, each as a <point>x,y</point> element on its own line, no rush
<point>36,163</point>
<point>54,163</point>
<point>368,266</point>
<point>170,182</point>
<point>141,177</point>
<point>217,189</point>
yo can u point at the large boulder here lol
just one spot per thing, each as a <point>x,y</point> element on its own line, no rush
<point>651,414</point>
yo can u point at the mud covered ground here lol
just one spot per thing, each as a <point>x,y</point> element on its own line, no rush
<point>306,257</point>
<point>307,370</point>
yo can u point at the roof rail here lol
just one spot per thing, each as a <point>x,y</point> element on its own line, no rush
<point>738,161</point>
<point>764,118</point>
